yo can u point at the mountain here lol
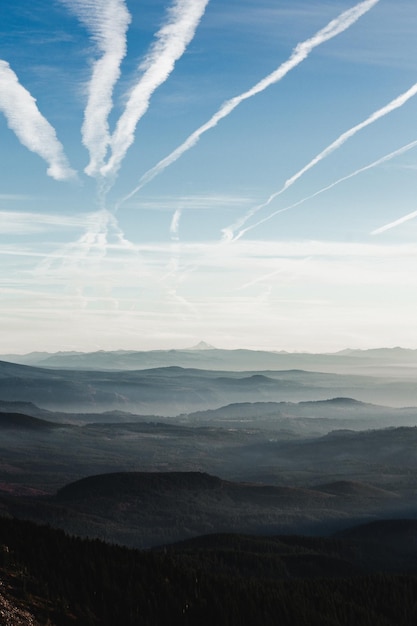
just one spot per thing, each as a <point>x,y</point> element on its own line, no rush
<point>355,489</point>
<point>19,421</point>
<point>377,456</point>
<point>27,408</point>
<point>318,408</point>
<point>304,418</point>
<point>173,390</point>
<point>205,356</point>
<point>202,345</point>
<point>392,354</point>
<point>163,391</point>
<point>292,444</point>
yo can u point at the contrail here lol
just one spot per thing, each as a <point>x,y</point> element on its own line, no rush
<point>108,21</point>
<point>380,161</point>
<point>260,279</point>
<point>300,52</point>
<point>171,41</point>
<point>228,232</point>
<point>401,220</point>
<point>175,223</point>
<point>29,125</point>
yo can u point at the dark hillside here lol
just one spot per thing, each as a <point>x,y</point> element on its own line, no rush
<point>145,509</point>
<point>27,408</point>
<point>121,484</point>
<point>384,531</point>
<point>355,489</point>
<point>224,580</point>
<point>18,421</point>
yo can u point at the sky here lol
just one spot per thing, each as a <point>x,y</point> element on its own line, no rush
<point>240,172</point>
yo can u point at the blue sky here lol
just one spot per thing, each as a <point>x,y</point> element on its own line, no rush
<point>239,172</point>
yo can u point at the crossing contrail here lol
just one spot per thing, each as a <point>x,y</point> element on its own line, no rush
<point>380,161</point>
<point>29,125</point>
<point>92,245</point>
<point>171,41</point>
<point>300,52</point>
<point>108,21</point>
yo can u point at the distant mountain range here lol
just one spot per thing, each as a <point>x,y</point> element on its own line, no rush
<point>205,356</point>
<point>173,390</point>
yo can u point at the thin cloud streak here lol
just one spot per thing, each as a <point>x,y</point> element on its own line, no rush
<point>191,202</point>
<point>380,161</point>
<point>30,126</point>
<point>229,231</point>
<point>301,52</point>
<point>171,42</point>
<point>13,196</point>
<point>108,21</point>
<point>260,279</point>
<point>401,220</point>
<point>22,223</point>
<point>246,251</point>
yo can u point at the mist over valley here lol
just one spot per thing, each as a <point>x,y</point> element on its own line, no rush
<point>314,449</point>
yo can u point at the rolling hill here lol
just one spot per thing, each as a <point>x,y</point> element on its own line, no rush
<point>143,509</point>
<point>20,421</point>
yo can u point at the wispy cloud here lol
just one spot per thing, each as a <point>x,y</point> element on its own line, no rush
<point>307,289</point>
<point>199,202</point>
<point>23,223</point>
<point>108,21</point>
<point>171,41</point>
<point>13,197</point>
<point>229,231</point>
<point>29,125</point>
<point>301,52</point>
<point>381,161</point>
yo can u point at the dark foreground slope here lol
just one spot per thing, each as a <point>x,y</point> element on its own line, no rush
<point>222,580</point>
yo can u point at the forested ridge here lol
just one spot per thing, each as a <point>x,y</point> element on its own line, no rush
<point>222,580</point>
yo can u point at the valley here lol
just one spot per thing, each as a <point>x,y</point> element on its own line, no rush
<point>287,452</point>
<point>254,482</point>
